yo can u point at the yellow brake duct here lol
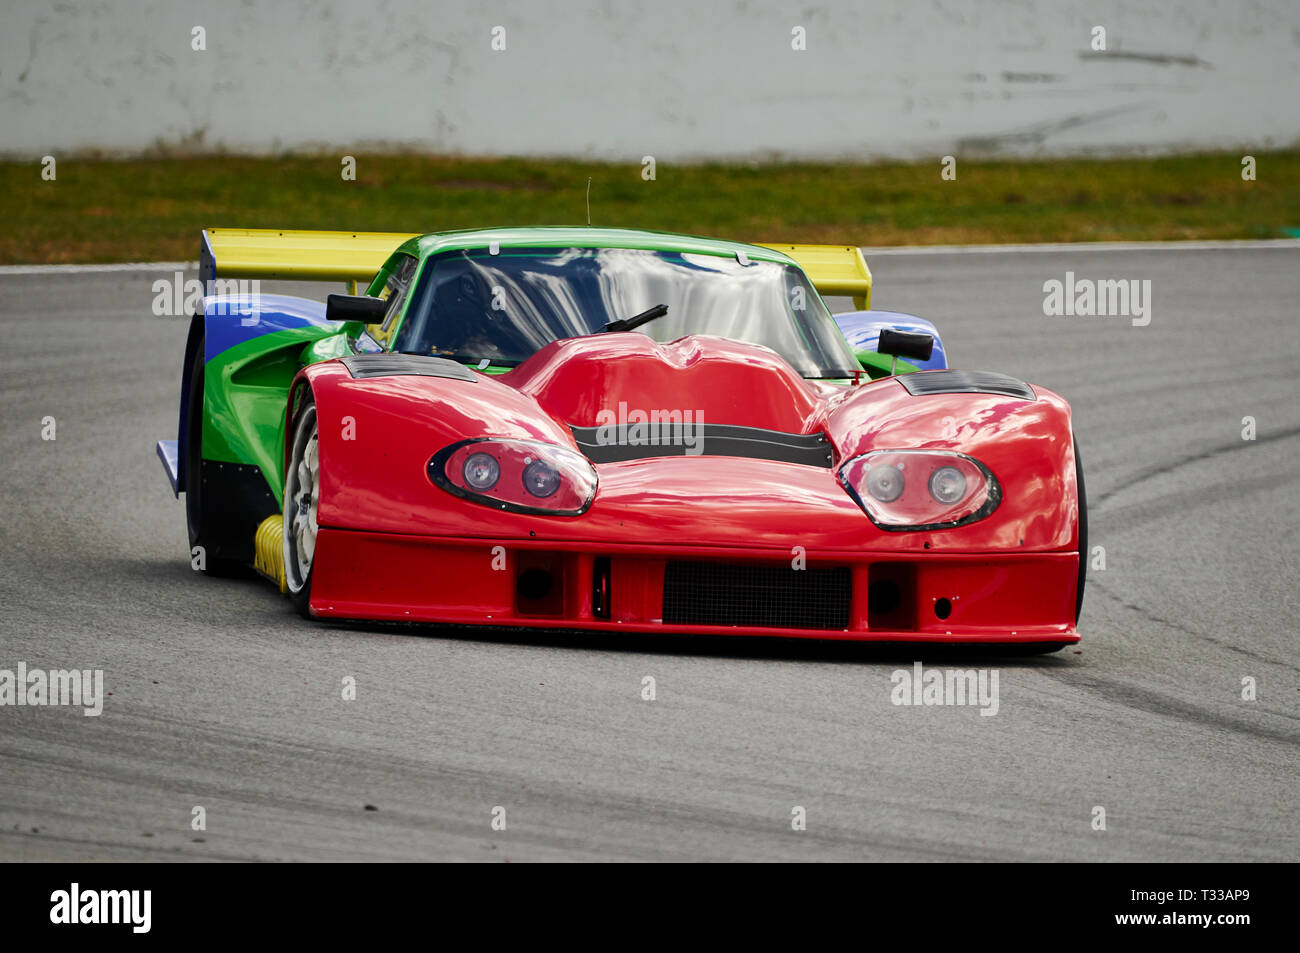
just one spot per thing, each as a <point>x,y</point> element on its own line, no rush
<point>268,550</point>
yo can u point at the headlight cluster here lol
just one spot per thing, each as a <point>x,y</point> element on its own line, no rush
<point>920,489</point>
<point>521,476</point>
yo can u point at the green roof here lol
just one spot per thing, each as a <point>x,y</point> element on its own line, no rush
<point>584,237</point>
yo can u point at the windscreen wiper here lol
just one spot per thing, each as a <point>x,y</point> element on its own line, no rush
<point>628,324</point>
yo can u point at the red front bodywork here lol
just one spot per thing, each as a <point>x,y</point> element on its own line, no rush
<point>395,546</point>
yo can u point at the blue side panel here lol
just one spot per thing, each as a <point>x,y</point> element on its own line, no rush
<point>170,458</point>
<point>862,329</point>
<point>234,319</point>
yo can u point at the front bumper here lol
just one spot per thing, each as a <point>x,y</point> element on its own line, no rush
<point>546,584</point>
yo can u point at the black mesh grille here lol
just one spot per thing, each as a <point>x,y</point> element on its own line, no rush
<point>699,593</point>
<point>659,439</point>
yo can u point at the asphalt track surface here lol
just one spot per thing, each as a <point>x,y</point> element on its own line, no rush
<point>223,698</point>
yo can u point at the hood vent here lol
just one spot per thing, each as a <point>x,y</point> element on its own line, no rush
<point>921,383</point>
<point>362,366</point>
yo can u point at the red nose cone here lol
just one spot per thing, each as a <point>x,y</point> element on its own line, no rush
<point>719,380</point>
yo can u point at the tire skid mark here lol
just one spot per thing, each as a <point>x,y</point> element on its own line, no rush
<point>1150,616</point>
<point>1145,699</point>
<point>1178,464</point>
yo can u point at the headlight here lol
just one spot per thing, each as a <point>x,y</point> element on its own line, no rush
<point>481,471</point>
<point>519,476</point>
<point>885,482</point>
<point>946,488</point>
<point>947,485</point>
<point>541,479</point>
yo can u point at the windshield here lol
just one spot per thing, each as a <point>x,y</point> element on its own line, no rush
<point>472,306</point>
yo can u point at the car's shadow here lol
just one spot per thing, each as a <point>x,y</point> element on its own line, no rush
<point>755,648</point>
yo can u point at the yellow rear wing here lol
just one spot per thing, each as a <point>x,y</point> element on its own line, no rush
<point>300,255</point>
<point>295,254</point>
<point>833,270</point>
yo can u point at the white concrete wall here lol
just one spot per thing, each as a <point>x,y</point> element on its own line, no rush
<point>676,79</point>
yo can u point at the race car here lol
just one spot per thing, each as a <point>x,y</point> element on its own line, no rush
<point>620,431</point>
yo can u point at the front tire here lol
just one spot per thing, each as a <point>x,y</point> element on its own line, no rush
<point>301,498</point>
<point>1083,534</point>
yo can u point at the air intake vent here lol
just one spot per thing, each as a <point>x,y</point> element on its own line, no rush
<point>701,593</point>
<point>362,366</point>
<point>964,382</point>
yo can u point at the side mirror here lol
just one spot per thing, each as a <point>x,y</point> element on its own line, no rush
<point>361,308</point>
<point>910,344</point>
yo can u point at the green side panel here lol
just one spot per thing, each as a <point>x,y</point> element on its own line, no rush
<point>246,390</point>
